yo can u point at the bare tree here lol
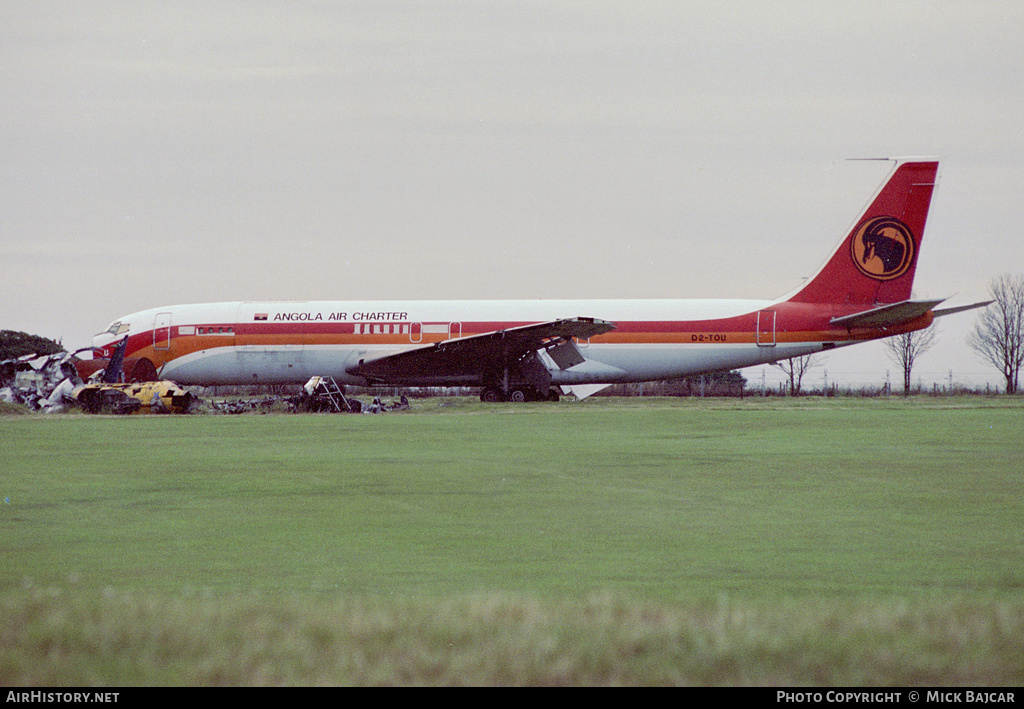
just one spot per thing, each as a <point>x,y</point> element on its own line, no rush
<point>795,368</point>
<point>906,348</point>
<point>998,336</point>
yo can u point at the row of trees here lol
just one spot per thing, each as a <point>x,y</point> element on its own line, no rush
<point>997,337</point>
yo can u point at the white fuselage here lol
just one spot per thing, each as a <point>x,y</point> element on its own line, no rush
<point>288,342</point>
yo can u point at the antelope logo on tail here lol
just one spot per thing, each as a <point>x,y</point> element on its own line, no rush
<point>882,248</point>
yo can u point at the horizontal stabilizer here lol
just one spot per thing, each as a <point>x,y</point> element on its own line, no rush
<point>888,315</point>
<point>960,309</point>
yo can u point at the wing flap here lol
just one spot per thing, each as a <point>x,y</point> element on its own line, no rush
<point>469,358</point>
<point>582,391</point>
<point>566,354</point>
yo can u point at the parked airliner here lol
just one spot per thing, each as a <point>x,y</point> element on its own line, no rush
<point>537,349</point>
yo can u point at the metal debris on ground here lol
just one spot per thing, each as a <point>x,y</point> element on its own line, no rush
<point>379,406</point>
<point>40,382</point>
<point>323,394</point>
<point>318,395</point>
<point>160,397</point>
<point>243,406</point>
<point>56,382</point>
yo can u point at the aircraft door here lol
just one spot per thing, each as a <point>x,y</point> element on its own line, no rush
<point>162,331</point>
<point>765,328</point>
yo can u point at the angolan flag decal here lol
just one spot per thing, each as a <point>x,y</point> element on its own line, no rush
<point>259,316</point>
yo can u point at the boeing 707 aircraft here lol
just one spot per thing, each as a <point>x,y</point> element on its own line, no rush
<point>537,349</point>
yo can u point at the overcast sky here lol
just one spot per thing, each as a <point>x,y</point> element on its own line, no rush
<point>155,153</point>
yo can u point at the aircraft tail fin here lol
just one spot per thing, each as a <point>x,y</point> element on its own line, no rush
<point>113,370</point>
<point>875,262</point>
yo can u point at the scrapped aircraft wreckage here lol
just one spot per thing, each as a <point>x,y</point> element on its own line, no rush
<point>318,395</point>
<point>58,382</point>
<point>323,394</point>
<point>159,397</point>
<point>40,382</point>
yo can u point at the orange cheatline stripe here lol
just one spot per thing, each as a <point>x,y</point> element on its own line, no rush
<point>185,344</point>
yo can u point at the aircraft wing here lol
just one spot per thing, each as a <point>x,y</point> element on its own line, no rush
<point>888,315</point>
<point>470,357</point>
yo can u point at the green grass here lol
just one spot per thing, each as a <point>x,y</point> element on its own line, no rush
<point>843,517</point>
<point>68,638</point>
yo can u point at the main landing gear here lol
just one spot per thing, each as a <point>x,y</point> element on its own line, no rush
<point>493,395</point>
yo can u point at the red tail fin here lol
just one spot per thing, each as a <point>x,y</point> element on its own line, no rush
<point>876,261</point>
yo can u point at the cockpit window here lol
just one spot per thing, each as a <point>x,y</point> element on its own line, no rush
<point>118,328</point>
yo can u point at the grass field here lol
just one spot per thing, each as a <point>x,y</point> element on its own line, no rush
<point>649,541</point>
